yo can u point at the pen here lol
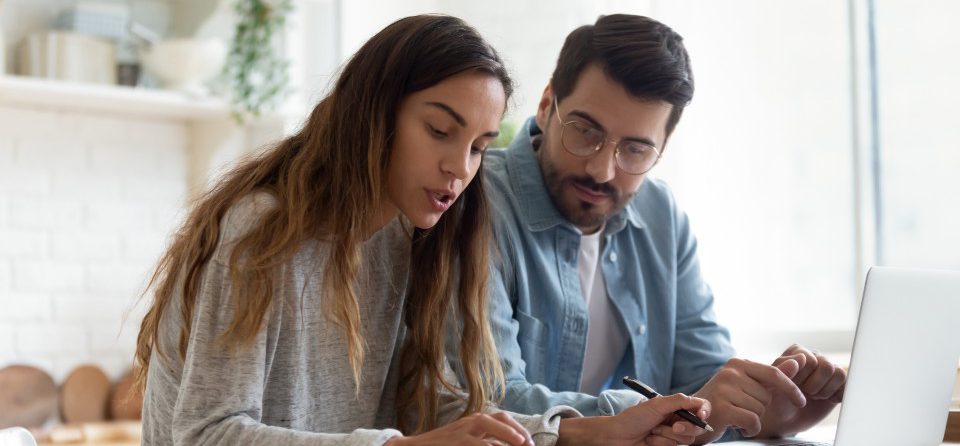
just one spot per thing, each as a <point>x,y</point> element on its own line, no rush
<point>646,391</point>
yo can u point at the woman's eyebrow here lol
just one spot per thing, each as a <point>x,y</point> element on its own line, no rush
<point>459,118</point>
<point>453,113</point>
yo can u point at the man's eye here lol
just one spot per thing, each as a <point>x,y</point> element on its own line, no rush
<point>638,149</point>
<point>589,132</point>
<point>593,134</point>
<point>583,129</point>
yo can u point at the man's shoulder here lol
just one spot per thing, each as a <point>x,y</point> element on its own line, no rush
<point>496,176</point>
<point>495,162</point>
<point>654,203</point>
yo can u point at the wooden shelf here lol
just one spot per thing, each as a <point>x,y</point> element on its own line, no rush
<point>108,99</point>
<point>953,427</point>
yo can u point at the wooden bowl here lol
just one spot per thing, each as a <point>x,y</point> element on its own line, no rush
<point>84,395</point>
<point>28,396</point>
<point>126,403</point>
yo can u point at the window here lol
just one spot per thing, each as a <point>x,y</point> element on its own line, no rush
<point>919,132</point>
<point>762,162</point>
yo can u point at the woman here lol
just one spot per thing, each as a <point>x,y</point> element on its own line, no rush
<point>298,304</point>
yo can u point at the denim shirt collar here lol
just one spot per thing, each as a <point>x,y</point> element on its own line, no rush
<point>537,208</point>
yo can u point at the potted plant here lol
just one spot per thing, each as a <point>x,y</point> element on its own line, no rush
<point>256,73</point>
<point>3,48</point>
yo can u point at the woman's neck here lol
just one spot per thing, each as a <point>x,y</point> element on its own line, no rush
<point>386,212</point>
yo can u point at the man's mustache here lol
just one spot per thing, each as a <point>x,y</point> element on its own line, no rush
<point>588,183</point>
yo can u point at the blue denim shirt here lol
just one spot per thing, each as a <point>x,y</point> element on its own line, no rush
<point>539,317</point>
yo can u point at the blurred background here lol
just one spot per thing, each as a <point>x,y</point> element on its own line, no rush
<point>822,139</point>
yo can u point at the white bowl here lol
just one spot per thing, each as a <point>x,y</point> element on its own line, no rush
<point>16,436</point>
<point>184,64</point>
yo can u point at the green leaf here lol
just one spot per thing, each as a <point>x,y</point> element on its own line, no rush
<point>257,77</point>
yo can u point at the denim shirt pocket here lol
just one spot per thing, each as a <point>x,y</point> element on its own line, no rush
<point>533,337</point>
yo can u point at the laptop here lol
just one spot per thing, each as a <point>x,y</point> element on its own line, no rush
<point>904,361</point>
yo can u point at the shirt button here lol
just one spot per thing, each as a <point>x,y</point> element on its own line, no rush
<point>613,257</point>
<point>642,329</point>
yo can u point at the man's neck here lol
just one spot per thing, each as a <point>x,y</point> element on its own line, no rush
<point>591,231</point>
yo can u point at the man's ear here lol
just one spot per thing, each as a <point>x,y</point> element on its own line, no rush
<point>545,107</point>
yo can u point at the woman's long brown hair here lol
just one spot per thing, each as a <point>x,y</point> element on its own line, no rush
<point>328,183</point>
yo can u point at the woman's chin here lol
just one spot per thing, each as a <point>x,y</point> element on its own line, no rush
<point>424,221</point>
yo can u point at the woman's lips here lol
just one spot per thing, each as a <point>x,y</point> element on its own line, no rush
<point>440,200</point>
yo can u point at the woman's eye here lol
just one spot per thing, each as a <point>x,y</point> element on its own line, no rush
<point>435,132</point>
<point>477,150</point>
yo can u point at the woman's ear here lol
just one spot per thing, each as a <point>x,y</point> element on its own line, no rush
<point>545,107</point>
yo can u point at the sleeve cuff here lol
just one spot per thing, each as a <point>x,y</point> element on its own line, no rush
<point>545,429</point>
<point>377,437</point>
<point>614,401</point>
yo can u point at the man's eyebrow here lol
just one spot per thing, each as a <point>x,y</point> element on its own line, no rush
<point>453,113</point>
<point>586,116</point>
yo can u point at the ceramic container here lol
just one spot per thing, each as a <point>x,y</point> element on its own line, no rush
<point>184,64</point>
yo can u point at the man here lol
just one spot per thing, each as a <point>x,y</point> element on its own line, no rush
<point>598,275</point>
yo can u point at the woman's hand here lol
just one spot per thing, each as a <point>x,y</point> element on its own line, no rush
<point>473,429</point>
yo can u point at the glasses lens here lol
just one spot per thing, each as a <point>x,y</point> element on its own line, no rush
<point>580,139</point>
<point>635,157</point>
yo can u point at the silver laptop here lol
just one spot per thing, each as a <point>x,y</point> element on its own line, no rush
<point>904,361</point>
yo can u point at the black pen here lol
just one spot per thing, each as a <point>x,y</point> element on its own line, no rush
<point>646,391</point>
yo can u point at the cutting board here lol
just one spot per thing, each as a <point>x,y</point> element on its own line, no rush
<point>28,396</point>
<point>126,403</point>
<point>108,433</point>
<point>953,427</point>
<point>84,395</point>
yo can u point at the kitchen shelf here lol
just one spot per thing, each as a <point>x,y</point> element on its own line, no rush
<point>58,95</point>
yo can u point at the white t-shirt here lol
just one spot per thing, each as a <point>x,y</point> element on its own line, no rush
<point>606,334</point>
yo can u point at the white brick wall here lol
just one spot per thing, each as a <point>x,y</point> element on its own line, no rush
<point>4,209</point>
<point>6,343</point>
<point>86,205</point>
<point>6,152</point>
<point>6,279</point>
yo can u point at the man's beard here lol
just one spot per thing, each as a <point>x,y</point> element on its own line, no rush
<point>581,213</point>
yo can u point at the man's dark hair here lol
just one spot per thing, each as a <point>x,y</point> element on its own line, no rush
<point>645,56</point>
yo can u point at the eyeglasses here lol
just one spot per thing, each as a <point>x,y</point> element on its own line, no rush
<point>582,139</point>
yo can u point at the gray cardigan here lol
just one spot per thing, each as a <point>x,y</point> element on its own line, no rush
<point>293,385</point>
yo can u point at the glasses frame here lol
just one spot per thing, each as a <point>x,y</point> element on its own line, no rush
<point>603,141</point>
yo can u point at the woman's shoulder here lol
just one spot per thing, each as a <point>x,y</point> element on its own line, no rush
<point>241,218</point>
<point>246,214</point>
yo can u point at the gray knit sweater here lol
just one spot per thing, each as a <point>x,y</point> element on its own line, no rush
<point>294,385</point>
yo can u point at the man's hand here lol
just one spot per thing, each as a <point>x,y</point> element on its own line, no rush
<point>741,392</point>
<point>821,382</point>
<point>649,423</point>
